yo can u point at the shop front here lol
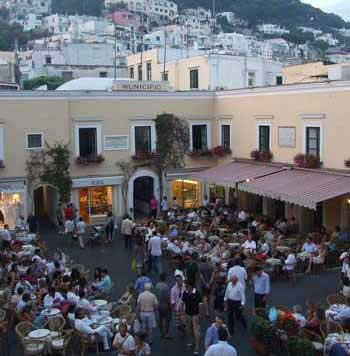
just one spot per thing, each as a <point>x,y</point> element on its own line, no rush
<point>95,197</point>
<point>187,193</point>
<point>12,202</point>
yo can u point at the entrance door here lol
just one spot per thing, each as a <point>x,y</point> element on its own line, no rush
<point>39,202</point>
<point>143,192</point>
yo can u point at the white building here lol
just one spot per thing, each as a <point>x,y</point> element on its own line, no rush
<point>272,29</point>
<point>312,30</point>
<point>328,38</point>
<point>32,22</point>
<point>19,9</point>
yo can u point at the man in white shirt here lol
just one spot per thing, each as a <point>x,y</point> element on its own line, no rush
<point>201,233</point>
<point>83,303</point>
<point>164,208</point>
<point>155,249</point>
<point>222,348</point>
<point>22,303</point>
<point>6,237</point>
<point>249,244</point>
<point>69,228</point>
<point>238,271</point>
<point>126,230</point>
<point>81,231</point>
<point>242,216</point>
<point>309,246</point>
<point>102,331</point>
<point>299,317</point>
<point>289,264</point>
<point>123,342</point>
<point>173,248</point>
<point>27,287</point>
<point>53,298</point>
<point>234,303</point>
<point>72,298</point>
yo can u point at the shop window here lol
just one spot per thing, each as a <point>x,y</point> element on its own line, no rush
<point>95,202</point>
<point>34,141</point>
<point>194,82</point>
<point>187,193</point>
<point>87,141</point>
<point>264,138</point>
<point>251,79</point>
<point>279,80</point>
<point>143,139</point>
<point>149,70</point>
<point>103,74</point>
<point>226,136</point>
<point>199,137</point>
<point>313,141</point>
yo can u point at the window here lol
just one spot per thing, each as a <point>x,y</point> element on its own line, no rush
<point>143,139</point>
<point>279,80</point>
<point>87,141</point>
<point>313,141</point>
<point>67,75</point>
<point>34,141</point>
<point>149,70</point>
<point>48,59</point>
<point>103,74</point>
<point>187,193</point>
<point>264,138</point>
<point>226,136</point>
<point>194,79</point>
<point>251,79</point>
<point>131,73</point>
<point>199,137</point>
<point>165,76</point>
<point>139,71</point>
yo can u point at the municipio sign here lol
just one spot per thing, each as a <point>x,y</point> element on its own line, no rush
<point>133,85</point>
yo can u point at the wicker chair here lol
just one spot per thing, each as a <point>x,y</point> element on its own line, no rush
<point>56,325</point>
<point>23,329</point>
<point>79,267</point>
<point>61,343</point>
<point>88,342</point>
<point>336,299</point>
<point>121,311</point>
<point>33,347</point>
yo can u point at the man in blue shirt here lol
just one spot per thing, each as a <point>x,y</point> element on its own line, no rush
<point>211,336</point>
<point>140,283</point>
<point>105,284</point>
<point>261,282</point>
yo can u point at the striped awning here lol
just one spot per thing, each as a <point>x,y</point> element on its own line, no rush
<point>301,187</point>
<point>236,172</point>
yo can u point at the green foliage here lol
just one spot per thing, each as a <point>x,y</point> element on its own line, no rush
<point>80,7</point>
<point>300,347</point>
<point>262,330</point>
<point>51,82</point>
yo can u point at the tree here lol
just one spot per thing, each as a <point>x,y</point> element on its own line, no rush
<point>79,7</point>
<point>51,82</point>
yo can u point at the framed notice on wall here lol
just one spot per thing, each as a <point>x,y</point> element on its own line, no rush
<point>286,136</point>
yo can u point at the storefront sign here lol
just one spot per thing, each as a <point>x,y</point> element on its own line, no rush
<point>141,86</point>
<point>96,182</point>
<point>12,187</point>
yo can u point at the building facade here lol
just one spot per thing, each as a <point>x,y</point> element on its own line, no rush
<point>287,120</point>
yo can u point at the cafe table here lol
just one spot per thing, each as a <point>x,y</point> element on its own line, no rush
<point>51,313</point>
<point>100,303</point>
<point>39,334</point>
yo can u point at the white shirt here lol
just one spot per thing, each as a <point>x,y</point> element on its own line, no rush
<point>242,215</point>
<point>235,292</point>
<point>20,306</point>
<point>85,304</point>
<point>5,235</point>
<point>128,344</point>
<point>164,205</point>
<point>265,248</point>
<point>50,267</point>
<point>222,348</point>
<point>48,300</point>
<point>249,245</point>
<point>301,320</point>
<point>240,272</point>
<point>199,234</point>
<point>155,246</point>
<point>290,262</point>
<point>83,327</point>
<point>27,287</point>
<point>69,226</point>
<point>173,248</point>
<point>72,298</point>
<point>81,227</point>
<point>309,247</point>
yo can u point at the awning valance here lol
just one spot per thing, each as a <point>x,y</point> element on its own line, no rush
<point>301,187</point>
<point>236,172</point>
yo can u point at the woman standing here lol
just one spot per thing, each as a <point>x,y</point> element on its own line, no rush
<point>109,227</point>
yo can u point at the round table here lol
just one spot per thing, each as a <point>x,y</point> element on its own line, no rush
<point>39,334</point>
<point>100,303</point>
<point>50,313</point>
<point>105,321</point>
<point>274,261</point>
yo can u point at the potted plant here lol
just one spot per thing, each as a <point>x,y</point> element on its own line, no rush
<point>307,161</point>
<point>262,334</point>
<point>201,153</point>
<point>289,324</point>
<point>262,156</point>
<point>255,155</point>
<point>300,347</point>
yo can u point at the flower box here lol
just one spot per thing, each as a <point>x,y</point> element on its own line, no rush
<point>201,153</point>
<point>145,156</point>
<point>261,156</point>
<point>86,160</point>
<point>220,151</point>
<point>302,160</point>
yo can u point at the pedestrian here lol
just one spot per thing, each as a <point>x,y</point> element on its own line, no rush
<point>175,206</point>
<point>222,348</point>
<point>81,232</point>
<point>126,228</point>
<point>69,212</point>
<point>124,342</point>
<point>155,249</point>
<point>33,225</point>
<point>164,306</point>
<point>191,270</point>
<point>238,271</point>
<point>69,229</point>
<point>261,281</point>
<point>60,218</point>
<point>142,348</point>
<point>6,237</point>
<point>211,336</point>
<point>142,279</point>
<point>109,228</point>
<point>176,294</point>
<point>234,304</point>
<point>154,207</point>
<point>147,304</point>
<point>191,299</point>
<point>205,273</point>
<point>164,208</point>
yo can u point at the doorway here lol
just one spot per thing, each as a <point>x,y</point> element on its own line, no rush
<point>143,192</point>
<point>45,200</point>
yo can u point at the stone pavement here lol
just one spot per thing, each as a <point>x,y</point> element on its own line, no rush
<point>117,260</point>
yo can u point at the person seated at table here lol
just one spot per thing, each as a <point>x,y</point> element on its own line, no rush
<point>173,232</point>
<point>201,233</point>
<point>17,297</point>
<point>343,315</point>
<point>314,317</point>
<point>128,296</point>
<point>105,284</point>
<point>23,302</point>
<point>309,246</point>
<point>124,342</point>
<point>14,275</point>
<point>101,332</point>
<point>22,283</point>
<point>53,299</point>
<point>173,248</point>
<point>282,226</point>
<point>75,276</point>
<point>249,244</point>
<point>97,274</point>
<point>72,298</point>
<point>319,258</point>
<point>56,280</point>
<point>264,250</point>
<point>298,315</point>
<point>84,304</point>
<point>293,226</point>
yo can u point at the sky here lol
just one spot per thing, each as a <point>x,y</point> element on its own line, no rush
<point>339,7</point>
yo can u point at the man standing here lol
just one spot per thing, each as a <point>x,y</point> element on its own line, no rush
<point>191,299</point>
<point>234,303</point>
<point>127,231</point>
<point>176,294</point>
<point>154,207</point>
<point>147,305</point>
<point>155,249</point>
<point>81,231</point>
<point>261,282</point>
<point>211,336</point>
<point>222,348</point>
<point>164,208</point>
<point>238,271</point>
<point>164,307</point>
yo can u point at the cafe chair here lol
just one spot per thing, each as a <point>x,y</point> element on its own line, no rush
<point>336,299</point>
<point>23,329</point>
<point>33,347</point>
<point>88,342</point>
<point>61,344</point>
<point>79,267</point>
<point>121,311</point>
<point>55,325</point>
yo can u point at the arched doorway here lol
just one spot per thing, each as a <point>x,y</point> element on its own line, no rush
<point>142,185</point>
<point>45,201</point>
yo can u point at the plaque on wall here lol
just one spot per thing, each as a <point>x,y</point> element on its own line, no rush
<point>286,136</point>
